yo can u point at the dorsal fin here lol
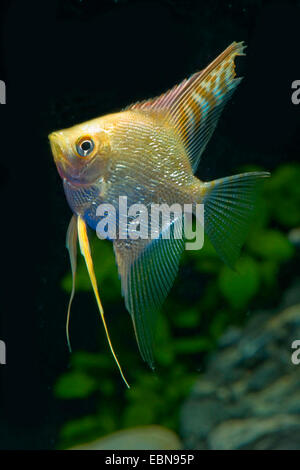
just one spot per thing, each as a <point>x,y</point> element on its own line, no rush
<point>197,102</point>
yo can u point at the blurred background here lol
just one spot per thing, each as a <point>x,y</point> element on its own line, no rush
<point>224,376</point>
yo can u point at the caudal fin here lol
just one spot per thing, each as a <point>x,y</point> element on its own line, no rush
<point>228,207</point>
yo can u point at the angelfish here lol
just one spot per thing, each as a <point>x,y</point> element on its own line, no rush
<point>149,152</point>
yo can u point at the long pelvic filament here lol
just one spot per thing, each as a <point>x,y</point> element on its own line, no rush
<point>71,243</point>
<point>86,252</point>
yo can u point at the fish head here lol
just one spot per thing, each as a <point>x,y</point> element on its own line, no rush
<point>80,152</point>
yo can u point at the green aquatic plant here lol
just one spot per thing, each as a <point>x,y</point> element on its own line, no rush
<point>206,298</point>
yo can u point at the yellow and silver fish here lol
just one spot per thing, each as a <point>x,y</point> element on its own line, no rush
<point>149,153</point>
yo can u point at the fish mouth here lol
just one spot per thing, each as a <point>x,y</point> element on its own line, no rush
<point>58,154</point>
<point>55,146</point>
<point>66,169</point>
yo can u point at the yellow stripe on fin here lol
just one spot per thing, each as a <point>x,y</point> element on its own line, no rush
<point>86,253</point>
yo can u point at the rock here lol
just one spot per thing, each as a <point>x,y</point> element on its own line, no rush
<point>249,396</point>
<point>255,433</point>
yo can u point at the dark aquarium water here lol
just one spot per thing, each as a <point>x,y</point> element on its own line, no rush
<point>226,351</point>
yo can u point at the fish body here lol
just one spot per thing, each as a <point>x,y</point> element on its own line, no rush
<point>149,153</point>
<point>144,159</point>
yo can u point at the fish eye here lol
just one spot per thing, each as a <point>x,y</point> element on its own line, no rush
<point>85,146</point>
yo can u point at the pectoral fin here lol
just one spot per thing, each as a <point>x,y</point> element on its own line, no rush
<point>86,252</point>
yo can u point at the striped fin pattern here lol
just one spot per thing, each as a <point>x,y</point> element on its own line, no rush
<point>147,272</point>
<point>196,104</point>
